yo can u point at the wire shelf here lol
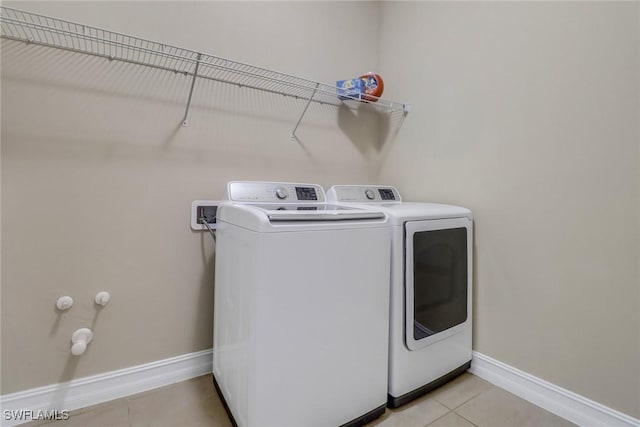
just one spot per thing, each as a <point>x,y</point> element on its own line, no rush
<point>57,33</point>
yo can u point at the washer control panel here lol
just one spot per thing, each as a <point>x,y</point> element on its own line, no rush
<point>269,192</point>
<point>363,194</point>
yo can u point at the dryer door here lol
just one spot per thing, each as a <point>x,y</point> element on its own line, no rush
<point>438,262</point>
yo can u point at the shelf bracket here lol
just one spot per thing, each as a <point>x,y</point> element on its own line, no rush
<point>193,83</point>
<point>306,107</point>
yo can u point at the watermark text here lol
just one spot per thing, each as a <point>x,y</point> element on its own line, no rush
<point>31,415</point>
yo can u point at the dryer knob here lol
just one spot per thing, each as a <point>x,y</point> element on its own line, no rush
<point>281,193</point>
<point>370,194</point>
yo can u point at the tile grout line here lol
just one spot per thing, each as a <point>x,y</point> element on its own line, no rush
<point>454,410</point>
<point>442,416</point>
<point>469,400</point>
<point>466,401</point>
<point>466,419</point>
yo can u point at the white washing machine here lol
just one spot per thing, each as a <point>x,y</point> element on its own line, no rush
<point>431,288</point>
<point>301,308</point>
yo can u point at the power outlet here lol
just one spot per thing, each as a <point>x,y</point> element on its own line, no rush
<point>206,209</point>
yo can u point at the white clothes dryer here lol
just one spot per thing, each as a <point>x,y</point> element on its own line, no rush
<point>301,308</point>
<point>431,288</point>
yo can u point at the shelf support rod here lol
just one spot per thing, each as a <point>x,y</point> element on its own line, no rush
<point>306,107</point>
<point>193,83</point>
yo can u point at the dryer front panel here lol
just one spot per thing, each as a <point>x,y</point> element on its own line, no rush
<point>438,262</point>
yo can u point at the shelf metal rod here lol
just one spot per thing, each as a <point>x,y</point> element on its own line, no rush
<point>98,40</point>
<point>74,37</point>
<point>99,55</point>
<point>193,83</point>
<point>282,79</point>
<point>334,102</point>
<point>140,49</point>
<point>306,107</point>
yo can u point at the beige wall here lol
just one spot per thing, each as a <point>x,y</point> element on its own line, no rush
<point>98,175</point>
<point>529,114</point>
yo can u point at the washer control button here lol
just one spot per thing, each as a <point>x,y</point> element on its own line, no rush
<point>281,193</point>
<point>369,194</point>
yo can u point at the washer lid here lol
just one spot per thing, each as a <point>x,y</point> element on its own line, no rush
<point>387,199</point>
<point>315,212</point>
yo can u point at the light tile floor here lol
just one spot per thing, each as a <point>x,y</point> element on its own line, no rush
<point>466,401</point>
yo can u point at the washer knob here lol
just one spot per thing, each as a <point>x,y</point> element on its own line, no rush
<point>281,193</point>
<point>370,194</point>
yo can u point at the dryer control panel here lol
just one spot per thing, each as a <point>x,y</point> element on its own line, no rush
<point>274,192</point>
<point>363,194</point>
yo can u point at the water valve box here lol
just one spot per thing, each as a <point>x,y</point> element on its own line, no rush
<point>203,209</point>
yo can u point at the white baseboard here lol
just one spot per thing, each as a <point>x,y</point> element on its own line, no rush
<point>100,388</point>
<point>562,402</point>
